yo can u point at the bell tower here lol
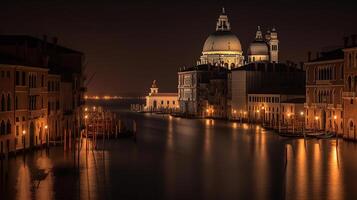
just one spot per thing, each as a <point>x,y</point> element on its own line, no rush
<point>274,46</point>
<point>154,89</point>
<point>223,22</point>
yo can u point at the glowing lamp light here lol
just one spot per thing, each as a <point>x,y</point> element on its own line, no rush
<point>46,127</point>
<point>257,111</point>
<point>234,111</point>
<point>301,113</point>
<point>94,107</point>
<point>207,110</point>
<point>263,107</point>
<point>86,109</point>
<point>23,132</point>
<point>244,112</point>
<point>289,114</point>
<point>335,117</point>
<point>86,117</point>
<point>316,118</point>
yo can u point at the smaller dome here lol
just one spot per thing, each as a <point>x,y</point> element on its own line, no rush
<point>258,48</point>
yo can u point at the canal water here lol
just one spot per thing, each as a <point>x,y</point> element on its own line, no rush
<point>175,158</point>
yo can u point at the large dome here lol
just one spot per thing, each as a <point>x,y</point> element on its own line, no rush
<point>222,41</point>
<point>258,48</point>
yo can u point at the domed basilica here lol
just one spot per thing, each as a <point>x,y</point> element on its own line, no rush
<point>224,48</point>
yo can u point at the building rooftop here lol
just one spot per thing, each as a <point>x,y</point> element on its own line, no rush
<point>163,94</point>
<point>203,67</point>
<point>329,55</point>
<point>35,42</point>
<point>268,67</point>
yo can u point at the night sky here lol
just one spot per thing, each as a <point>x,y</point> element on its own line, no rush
<point>130,44</point>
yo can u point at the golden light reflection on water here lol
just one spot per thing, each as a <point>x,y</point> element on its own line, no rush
<point>24,183</point>
<point>261,163</point>
<point>89,174</point>
<point>334,181</point>
<point>45,187</point>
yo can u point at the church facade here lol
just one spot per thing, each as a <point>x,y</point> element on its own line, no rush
<point>160,102</point>
<point>205,90</point>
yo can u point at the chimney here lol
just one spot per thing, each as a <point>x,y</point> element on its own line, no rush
<point>309,56</point>
<point>353,38</point>
<point>345,42</point>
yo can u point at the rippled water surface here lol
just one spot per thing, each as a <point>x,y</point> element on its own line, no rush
<point>188,159</point>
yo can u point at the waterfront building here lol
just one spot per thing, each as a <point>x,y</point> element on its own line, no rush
<point>324,87</point>
<point>54,106</point>
<point>262,78</point>
<point>43,89</point>
<point>161,102</point>
<point>350,89</point>
<point>274,109</point>
<point>203,91</point>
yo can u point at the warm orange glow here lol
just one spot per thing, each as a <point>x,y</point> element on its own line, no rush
<point>288,114</point>
<point>46,127</point>
<point>207,110</point>
<point>86,109</point>
<point>335,117</point>
<point>301,113</point>
<point>316,118</point>
<point>257,111</point>
<point>234,111</point>
<point>23,132</point>
<point>86,117</point>
<point>263,107</point>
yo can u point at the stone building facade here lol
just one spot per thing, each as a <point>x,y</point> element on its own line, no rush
<point>350,90</point>
<point>202,91</point>
<point>42,86</point>
<point>324,87</point>
<point>161,102</point>
<point>274,109</point>
<point>262,78</point>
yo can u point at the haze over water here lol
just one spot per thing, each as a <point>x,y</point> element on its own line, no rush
<point>177,158</point>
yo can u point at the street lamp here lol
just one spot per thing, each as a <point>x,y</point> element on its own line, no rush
<point>302,122</point>
<point>85,109</point>
<point>317,120</point>
<point>47,135</point>
<point>24,139</point>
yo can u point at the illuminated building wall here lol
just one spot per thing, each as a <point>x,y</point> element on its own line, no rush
<point>324,86</point>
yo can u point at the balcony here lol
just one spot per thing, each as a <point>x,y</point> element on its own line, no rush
<point>349,94</point>
<point>334,106</point>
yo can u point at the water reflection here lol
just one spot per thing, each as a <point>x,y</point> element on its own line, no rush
<point>180,158</point>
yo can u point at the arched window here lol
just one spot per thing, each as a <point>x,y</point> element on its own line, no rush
<point>2,102</point>
<point>8,102</point>
<point>8,127</point>
<point>351,125</point>
<point>2,128</point>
